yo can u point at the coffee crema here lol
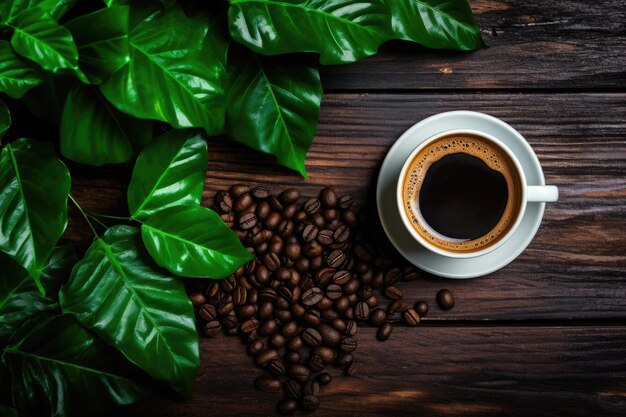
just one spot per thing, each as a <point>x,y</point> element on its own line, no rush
<point>462,193</point>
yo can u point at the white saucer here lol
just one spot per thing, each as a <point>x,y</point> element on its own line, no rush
<point>388,209</point>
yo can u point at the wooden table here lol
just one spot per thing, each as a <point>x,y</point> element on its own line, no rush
<point>544,336</point>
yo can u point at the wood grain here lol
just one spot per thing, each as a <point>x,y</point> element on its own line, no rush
<point>574,269</point>
<point>469,371</point>
<point>532,45</point>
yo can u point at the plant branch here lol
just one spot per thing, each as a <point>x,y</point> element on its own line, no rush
<point>82,211</point>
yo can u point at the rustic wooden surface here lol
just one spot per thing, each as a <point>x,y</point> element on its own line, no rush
<point>546,335</point>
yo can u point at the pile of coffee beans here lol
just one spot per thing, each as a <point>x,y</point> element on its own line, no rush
<point>316,279</point>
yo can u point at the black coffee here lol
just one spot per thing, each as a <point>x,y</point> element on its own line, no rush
<point>462,197</point>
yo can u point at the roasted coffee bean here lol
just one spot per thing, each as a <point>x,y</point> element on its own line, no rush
<point>266,356</point>
<point>353,299</point>
<point>247,221</point>
<point>300,216</point>
<point>345,202</point>
<point>249,326</point>
<point>366,292</point>
<point>377,280</point>
<point>302,265</point>
<point>333,225</point>
<point>349,217</point>
<point>352,368</point>
<point>287,406</point>
<point>341,277</point>
<point>238,189</point>
<point>225,307</point>
<point>422,308</point>
<point>240,296</point>
<point>289,329</point>
<point>230,331</point>
<point>283,315</point>
<point>230,321</point>
<point>285,227</point>
<point>351,287</point>
<point>312,296</point>
<point>397,306</point>
<point>324,304</point>
<point>271,261</point>
<point>345,359</point>
<point>351,328</point>
<point>324,378</point>
<point>310,402</point>
<point>445,299</point>
<point>261,237</point>
<point>393,293</point>
<point>330,215</point>
<point>411,317</point>
<point>224,202</point>
<point>293,250</point>
<point>318,220</point>
<point>362,311</point>
<point>299,372</point>
<point>324,275</point>
<point>328,197</point>
<point>318,261</point>
<point>330,314</point>
<point>212,328</point>
<point>243,202</point>
<point>290,211</point>
<point>339,325</point>
<point>325,237</point>
<point>313,249</point>
<point>281,304</point>
<point>295,343</point>
<point>207,312</point>
<point>263,210</point>
<point>363,252</point>
<point>228,219</point>
<point>309,233</point>
<point>342,304</point>
<point>378,317</point>
<point>333,291</point>
<point>327,354</point>
<point>330,335</point>
<point>283,274</point>
<point>266,309</point>
<point>348,344</point>
<point>255,346</point>
<point>276,244</point>
<point>312,317</point>
<point>290,195</point>
<point>316,363</point>
<point>268,294</point>
<point>293,357</point>
<point>312,206</point>
<point>228,284</point>
<point>197,298</point>
<point>335,258</point>
<point>311,387</point>
<point>277,341</point>
<point>293,389</point>
<point>276,203</point>
<point>246,311</point>
<point>392,276</point>
<point>268,327</point>
<point>384,331</point>
<point>266,383</point>
<point>311,337</point>
<point>272,220</point>
<point>297,310</point>
<point>296,292</point>
<point>276,368</point>
<point>213,290</point>
<point>341,234</point>
<point>410,274</point>
<point>260,192</point>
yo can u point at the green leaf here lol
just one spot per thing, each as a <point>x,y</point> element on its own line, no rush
<point>37,36</point>
<point>273,105</point>
<point>17,75</point>
<point>5,119</point>
<point>58,368</point>
<point>34,187</point>
<point>440,24</point>
<point>169,172</point>
<point>118,292</point>
<point>176,79</point>
<point>341,31</point>
<point>55,89</point>
<point>193,241</point>
<point>55,8</point>
<point>6,411</point>
<point>20,298</point>
<point>102,41</point>
<point>94,132</point>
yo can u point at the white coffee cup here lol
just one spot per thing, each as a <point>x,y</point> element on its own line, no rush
<point>529,194</point>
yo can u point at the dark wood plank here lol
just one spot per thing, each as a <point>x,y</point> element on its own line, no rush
<point>451,371</point>
<point>532,44</point>
<point>576,266</point>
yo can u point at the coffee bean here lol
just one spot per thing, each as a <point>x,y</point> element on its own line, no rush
<point>299,372</point>
<point>309,233</point>
<point>341,277</point>
<point>290,195</point>
<point>282,315</point>
<point>249,326</point>
<point>327,354</point>
<point>293,389</point>
<point>310,402</point>
<point>318,220</point>
<point>230,321</point>
<point>255,346</point>
<point>397,306</point>
<point>271,261</point>
<point>246,311</point>
<point>272,220</point>
<point>330,215</point>
<point>197,298</point>
<point>352,368</point>
<point>281,304</point>
<point>240,296</point>
<point>363,252</point>
<point>362,311</point>
<point>323,276</point>
<point>312,206</point>
<point>311,388</point>
<point>263,210</point>
<point>324,378</point>
<point>312,317</point>
<point>238,189</point>
<point>333,291</point>
<point>345,359</point>
<point>224,202</point>
<point>338,324</point>
<point>384,332</point>
<point>285,227</point>
<point>295,343</point>
<point>225,307</point>
<point>351,287</point>
<point>342,304</point>
<point>312,296</point>
<point>316,363</point>
<point>267,384</point>
<point>212,328</point>
<point>243,202</point>
<point>335,258</point>
<point>349,217</point>
<point>341,234</point>
<point>445,299</point>
<point>268,327</point>
<point>287,406</point>
<point>247,221</point>
<point>325,237</point>
<point>348,344</point>
<point>378,317</point>
<point>277,341</point>
<point>377,280</point>
<point>268,294</point>
<point>207,312</point>
<point>410,274</point>
<point>228,219</point>
<point>330,336</point>
<point>345,202</point>
<point>328,197</point>
<point>266,356</point>
<point>422,308</point>
<point>260,192</point>
<point>411,317</point>
<point>324,304</point>
<point>276,244</point>
<point>351,328</point>
<point>392,276</point>
<point>318,261</point>
<point>393,293</point>
<point>276,368</point>
<point>312,337</point>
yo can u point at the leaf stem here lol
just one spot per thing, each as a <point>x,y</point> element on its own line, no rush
<point>106,216</point>
<point>78,206</point>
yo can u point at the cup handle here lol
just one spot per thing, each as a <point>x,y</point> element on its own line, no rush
<point>542,193</point>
